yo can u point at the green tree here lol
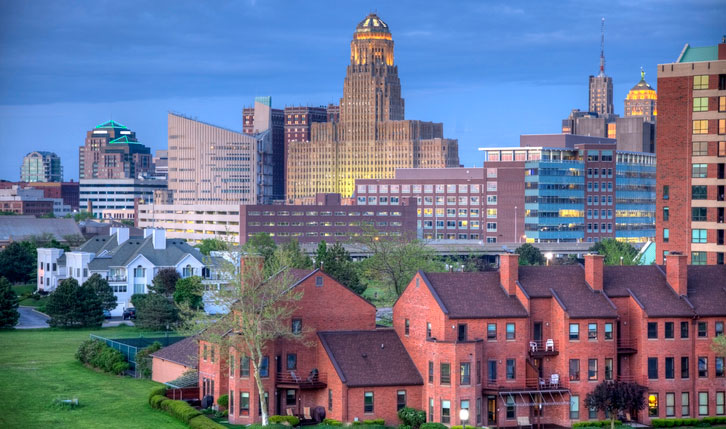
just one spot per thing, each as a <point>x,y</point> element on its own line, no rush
<point>18,262</point>
<point>294,255</point>
<point>189,292</point>
<point>143,360</point>
<point>395,260</point>
<point>103,291</point>
<point>616,252</point>
<point>529,255</point>
<point>211,244</point>
<point>155,312</point>
<point>89,307</point>
<point>263,245</point>
<point>337,263</point>
<point>719,345</point>
<point>71,305</point>
<point>81,216</point>
<point>8,305</point>
<point>615,397</point>
<point>164,282</point>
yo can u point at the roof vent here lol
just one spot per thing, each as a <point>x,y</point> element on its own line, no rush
<point>382,345</point>
<point>364,355</point>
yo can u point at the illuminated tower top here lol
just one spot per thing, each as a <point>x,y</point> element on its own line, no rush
<point>641,100</point>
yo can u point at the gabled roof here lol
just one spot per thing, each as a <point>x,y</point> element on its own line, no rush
<point>370,358</point>
<point>184,352</point>
<point>566,284</point>
<point>647,284</point>
<point>476,295</point>
<point>110,254</point>
<point>707,289</point>
<point>111,124</point>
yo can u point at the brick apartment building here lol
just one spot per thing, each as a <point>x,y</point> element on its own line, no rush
<point>692,155</point>
<point>524,341</point>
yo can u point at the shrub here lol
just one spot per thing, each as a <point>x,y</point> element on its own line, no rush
<point>204,422</point>
<point>378,422</point>
<point>291,420</point>
<point>223,401</point>
<point>99,355</point>
<point>156,400</point>
<point>143,360</point>
<point>412,417</point>
<point>161,390</point>
<point>433,426</point>
<point>332,422</point>
<point>180,410</point>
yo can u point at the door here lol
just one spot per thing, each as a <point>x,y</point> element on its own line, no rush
<point>538,364</point>
<point>278,364</point>
<point>537,332</point>
<point>491,410</point>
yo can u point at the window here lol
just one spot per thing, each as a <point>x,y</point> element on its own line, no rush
<point>461,332</point>
<point>211,354</point>
<point>719,329</point>
<point>685,371</point>
<point>265,367</point>
<point>653,368</point>
<point>231,365</point>
<point>431,371</point>
<point>491,331</point>
<point>428,327</point>
<point>652,330</point>
<point>702,403</point>
<point>722,148</point>
<point>698,258</point>
<point>511,369</point>
<point>291,361</point>
<point>700,148</point>
<point>702,366</point>
<point>290,398</point>
<point>702,329</point>
<point>699,192</point>
<point>653,405</point>
<point>431,409</point>
<point>685,404</point>
<point>445,370</point>
<point>700,126</point>
<point>666,192</point>
<point>608,331</point>
<point>669,368</point>
<point>574,331</point>
<point>592,413</point>
<point>670,404</point>
<point>511,411</point>
<point>722,104</point>
<point>684,329</point>
<point>492,371</point>
<point>574,407</point>
<point>699,171</point>
<point>407,327</point>
<point>330,399</point>
<point>244,366</point>
<point>465,373</point>
<point>669,330</point>
<point>592,331</point>
<point>720,403</point>
<point>700,82</point>
<point>592,369</point>
<point>296,327</point>
<point>719,366</point>
<point>478,411</point>
<point>722,126</point>
<point>445,411</point>
<point>510,331</point>
<point>368,402</point>
<point>318,281</point>
<point>231,402</point>
<point>400,399</point>
<point>698,214</point>
<point>574,369</point>
<point>478,372</point>
<point>244,403</point>
<point>608,368</point>
<point>700,104</point>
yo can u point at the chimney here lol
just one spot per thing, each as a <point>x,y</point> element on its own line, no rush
<point>594,270</point>
<point>509,271</point>
<point>122,234</point>
<point>677,272</point>
<point>159,238</point>
<point>251,268</point>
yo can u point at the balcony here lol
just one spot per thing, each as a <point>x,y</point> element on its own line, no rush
<point>552,382</point>
<point>627,346</point>
<point>543,348</point>
<point>293,380</point>
<point>117,279</point>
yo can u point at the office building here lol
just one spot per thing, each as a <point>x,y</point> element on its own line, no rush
<point>641,100</point>
<point>691,155</point>
<point>112,151</point>
<point>116,197</point>
<point>67,191</point>
<point>600,98</point>
<point>161,165</point>
<point>192,222</point>
<point>41,166</point>
<point>214,165</point>
<point>371,138</point>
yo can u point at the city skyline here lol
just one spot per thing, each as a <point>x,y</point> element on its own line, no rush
<point>448,75</point>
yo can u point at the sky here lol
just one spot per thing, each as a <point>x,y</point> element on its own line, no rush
<point>489,70</point>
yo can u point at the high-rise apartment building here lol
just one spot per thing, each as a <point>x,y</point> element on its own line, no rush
<point>371,137</point>
<point>112,151</point>
<point>41,166</point>
<point>210,164</point>
<point>692,155</point>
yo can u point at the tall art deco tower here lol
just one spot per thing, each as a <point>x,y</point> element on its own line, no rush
<point>371,138</point>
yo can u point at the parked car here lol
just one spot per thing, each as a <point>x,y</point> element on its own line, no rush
<point>106,314</point>
<point>129,313</point>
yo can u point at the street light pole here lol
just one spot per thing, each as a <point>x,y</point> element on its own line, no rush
<point>463,417</point>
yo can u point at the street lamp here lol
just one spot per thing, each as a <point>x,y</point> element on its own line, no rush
<point>549,256</point>
<point>463,417</point>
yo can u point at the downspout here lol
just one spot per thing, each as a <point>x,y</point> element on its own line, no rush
<point>693,374</point>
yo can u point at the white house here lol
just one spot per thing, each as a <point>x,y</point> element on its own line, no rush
<point>128,263</point>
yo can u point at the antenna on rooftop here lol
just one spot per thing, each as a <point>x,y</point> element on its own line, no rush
<point>602,47</point>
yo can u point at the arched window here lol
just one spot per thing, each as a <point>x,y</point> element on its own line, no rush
<point>139,271</point>
<point>188,271</point>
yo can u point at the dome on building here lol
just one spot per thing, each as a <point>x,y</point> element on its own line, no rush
<point>372,24</point>
<point>642,90</point>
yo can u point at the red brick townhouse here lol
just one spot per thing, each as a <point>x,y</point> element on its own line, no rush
<point>533,341</point>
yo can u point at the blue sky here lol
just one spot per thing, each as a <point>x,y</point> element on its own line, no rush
<point>488,70</point>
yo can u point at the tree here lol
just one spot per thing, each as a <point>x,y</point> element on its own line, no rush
<point>616,397</point>
<point>529,255</point>
<point>18,262</point>
<point>103,291</point>
<point>71,305</point>
<point>295,256</point>
<point>337,263</point>
<point>211,244</point>
<point>8,305</point>
<point>263,245</point>
<point>143,360</point>
<point>395,260</point>
<point>189,292</point>
<point>155,312</point>
<point>164,282</point>
<point>81,216</point>
<point>719,345</point>
<point>614,250</point>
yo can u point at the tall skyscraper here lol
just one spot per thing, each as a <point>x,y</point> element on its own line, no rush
<point>263,118</point>
<point>371,138</point>
<point>210,164</point>
<point>41,166</point>
<point>601,86</point>
<point>641,100</point>
<point>691,154</point>
<point>112,151</point>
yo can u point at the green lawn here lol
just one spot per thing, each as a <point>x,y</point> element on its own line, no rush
<point>38,366</point>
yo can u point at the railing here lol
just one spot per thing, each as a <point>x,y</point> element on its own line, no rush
<point>310,379</point>
<point>632,379</point>
<point>117,278</point>
<point>548,347</point>
<point>626,345</point>
<point>533,383</point>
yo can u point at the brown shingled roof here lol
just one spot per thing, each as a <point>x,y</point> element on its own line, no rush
<point>647,284</point>
<point>370,358</point>
<point>184,352</point>
<point>707,289</point>
<point>477,295</point>
<point>566,283</point>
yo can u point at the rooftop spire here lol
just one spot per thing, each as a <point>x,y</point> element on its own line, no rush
<point>602,48</point>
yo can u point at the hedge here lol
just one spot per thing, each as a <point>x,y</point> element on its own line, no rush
<point>98,355</point>
<point>204,422</point>
<point>270,426</point>
<point>706,421</point>
<point>180,410</point>
<point>374,422</point>
<point>156,400</point>
<point>595,423</point>
<point>332,422</point>
<point>291,420</point>
<point>161,390</point>
<point>433,426</point>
